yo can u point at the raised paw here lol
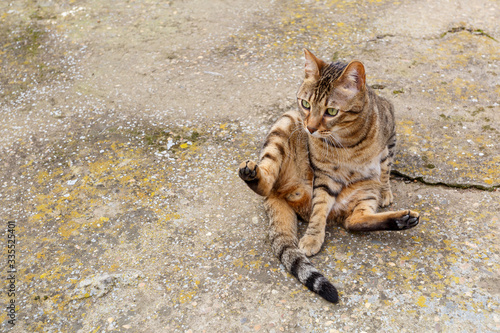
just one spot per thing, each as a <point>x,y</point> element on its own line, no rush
<point>311,245</point>
<point>408,220</point>
<point>248,170</point>
<point>386,198</point>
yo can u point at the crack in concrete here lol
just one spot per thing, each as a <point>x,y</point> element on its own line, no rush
<point>452,185</point>
<point>473,31</point>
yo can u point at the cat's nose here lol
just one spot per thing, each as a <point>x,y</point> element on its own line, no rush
<point>311,129</point>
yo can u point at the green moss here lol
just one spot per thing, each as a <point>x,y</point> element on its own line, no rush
<point>194,136</point>
<point>477,111</point>
<point>156,137</point>
<point>172,139</point>
<point>26,52</point>
<point>31,38</point>
<point>40,13</point>
<point>335,56</point>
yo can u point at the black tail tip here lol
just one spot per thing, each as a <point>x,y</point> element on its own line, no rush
<point>329,292</point>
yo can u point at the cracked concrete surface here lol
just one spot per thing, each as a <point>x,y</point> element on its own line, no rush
<point>123,123</point>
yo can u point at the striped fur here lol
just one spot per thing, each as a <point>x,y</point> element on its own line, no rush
<point>324,167</point>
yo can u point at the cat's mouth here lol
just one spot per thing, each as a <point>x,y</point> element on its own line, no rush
<point>316,133</point>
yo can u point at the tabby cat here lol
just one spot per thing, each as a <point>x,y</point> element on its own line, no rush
<point>328,161</point>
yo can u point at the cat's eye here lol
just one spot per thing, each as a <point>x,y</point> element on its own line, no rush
<point>332,111</point>
<point>306,104</point>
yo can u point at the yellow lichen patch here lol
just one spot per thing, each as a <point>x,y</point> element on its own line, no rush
<point>255,264</point>
<point>42,176</point>
<point>436,161</point>
<point>186,296</point>
<point>239,262</point>
<point>407,127</point>
<point>449,86</point>
<point>293,21</point>
<point>97,329</point>
<point>464,46</point>
<point>68,228</point>
<point>421,301</point>
<point>56,273</point>
<point>169,216</point>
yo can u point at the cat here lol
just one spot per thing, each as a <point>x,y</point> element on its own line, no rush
<point>330,160</point>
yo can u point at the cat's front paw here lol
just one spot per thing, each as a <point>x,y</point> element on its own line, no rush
<point>248,170</point>
<point>386,198</point>
<point>407,220</point>
<point>310,244</point>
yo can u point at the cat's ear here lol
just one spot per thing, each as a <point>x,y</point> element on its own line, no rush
<point>353,78</point>
<point>313,65</point>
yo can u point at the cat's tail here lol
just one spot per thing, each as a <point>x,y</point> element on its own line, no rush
<point>297,263</point>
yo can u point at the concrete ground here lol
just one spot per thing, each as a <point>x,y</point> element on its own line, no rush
<point>122,124</point>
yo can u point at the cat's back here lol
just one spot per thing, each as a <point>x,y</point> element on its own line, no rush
<point>385,115</point>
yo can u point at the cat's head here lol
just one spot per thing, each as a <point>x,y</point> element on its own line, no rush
<point>332,96</point>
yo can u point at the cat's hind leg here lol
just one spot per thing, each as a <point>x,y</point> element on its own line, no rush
<point>363,219</point>
<point>261,176</point>
<point>364,216</point>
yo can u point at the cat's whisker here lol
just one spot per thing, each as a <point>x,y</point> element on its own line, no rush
<point>328,139</point>
<point>343,151</point>
<point>340,152</point>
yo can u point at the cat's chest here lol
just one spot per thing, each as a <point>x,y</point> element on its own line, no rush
<point>351,172</point>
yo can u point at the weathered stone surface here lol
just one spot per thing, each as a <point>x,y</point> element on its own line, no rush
<point>123,123</point>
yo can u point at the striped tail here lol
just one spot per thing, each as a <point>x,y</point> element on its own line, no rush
<point>297,263</point>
